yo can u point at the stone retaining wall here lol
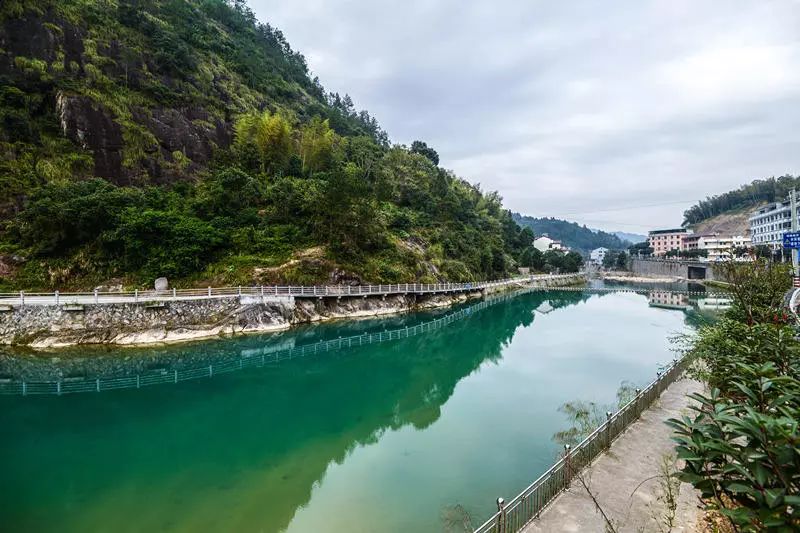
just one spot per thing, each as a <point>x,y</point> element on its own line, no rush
<point>50,326</point>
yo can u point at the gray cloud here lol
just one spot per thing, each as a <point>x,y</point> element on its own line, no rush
<point>568,108</point>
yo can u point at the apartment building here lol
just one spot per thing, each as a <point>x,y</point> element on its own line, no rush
<point>769,223</point>
<point>721,248</point>
<point>664,240</point>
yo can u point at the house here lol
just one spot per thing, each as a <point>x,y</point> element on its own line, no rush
<point>598,255</point>
<point>545,243</point>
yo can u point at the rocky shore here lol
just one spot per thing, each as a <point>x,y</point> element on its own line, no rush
<point>54,326</point>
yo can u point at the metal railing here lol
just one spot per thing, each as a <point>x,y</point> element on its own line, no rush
<point>514,515</point>
<point>318,291</point>
<point>644,291</point>
<point>248,358</point>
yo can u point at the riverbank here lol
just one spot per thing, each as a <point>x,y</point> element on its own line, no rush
<point>630,277</point>
<point>165,322</point>
<point>629,484</point>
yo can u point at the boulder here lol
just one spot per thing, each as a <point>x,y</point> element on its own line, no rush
<point>161,284</point>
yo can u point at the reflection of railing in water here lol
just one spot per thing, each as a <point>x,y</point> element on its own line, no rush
<point>248,358</point>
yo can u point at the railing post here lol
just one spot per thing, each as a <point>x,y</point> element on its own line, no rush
<point>209,292</point>
<point>56,294</point>
<point>22,297</point>
<point>135,296</point>
<point>638,402</point>
<point>239,290</point>
<point>95,296</point>
<point>567,467</point>
<point>501,517</point>
<point>608,429</point>
<point>174,293</point>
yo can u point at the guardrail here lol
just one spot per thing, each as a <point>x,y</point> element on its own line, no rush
<point>317,291</point>
<point>528,505</point>
<point>248,358</point>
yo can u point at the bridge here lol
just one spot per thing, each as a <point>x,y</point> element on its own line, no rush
<point>22,298</point>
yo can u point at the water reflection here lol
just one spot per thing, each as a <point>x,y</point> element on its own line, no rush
<point>241,452</point>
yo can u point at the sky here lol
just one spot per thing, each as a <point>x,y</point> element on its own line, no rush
<point>580,109</point>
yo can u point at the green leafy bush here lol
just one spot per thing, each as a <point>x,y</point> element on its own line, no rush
<point>741,446</point>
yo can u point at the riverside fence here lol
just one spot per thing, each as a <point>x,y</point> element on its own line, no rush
<point>514,515</point>
<point>316,291</point>
<point>248,358</point>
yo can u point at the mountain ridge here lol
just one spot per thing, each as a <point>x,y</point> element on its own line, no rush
<point>184,138</point>
<point>570,233</point>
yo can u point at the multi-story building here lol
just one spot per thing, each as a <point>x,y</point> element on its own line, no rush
<point>598,255</point>
<point>664,240</point>
<point>721,248</point>
<point>769,223</point>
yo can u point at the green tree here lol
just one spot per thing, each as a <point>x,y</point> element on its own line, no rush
<point>421,148</point>
<point>316,145</point>
<point>622,261</point>
<point>270,134</point>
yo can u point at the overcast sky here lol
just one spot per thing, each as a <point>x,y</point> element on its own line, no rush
<point>571,109</point>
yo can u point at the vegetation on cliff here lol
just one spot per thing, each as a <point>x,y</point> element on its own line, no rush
<point>747,196</point>
<point>184,138</point>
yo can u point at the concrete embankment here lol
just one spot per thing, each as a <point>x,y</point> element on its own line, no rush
<point>52,326</point>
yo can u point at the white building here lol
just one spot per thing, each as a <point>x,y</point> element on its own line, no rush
<point>768,224</point>
<point>598,255</point>
<point>721,248</point>
<point>545,243</point>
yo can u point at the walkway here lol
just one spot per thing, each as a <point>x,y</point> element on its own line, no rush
<point>634,457</point>
<point>319,291</point>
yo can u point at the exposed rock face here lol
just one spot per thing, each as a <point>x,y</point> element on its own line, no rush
<point>86,119</point>
<point>90,125</point>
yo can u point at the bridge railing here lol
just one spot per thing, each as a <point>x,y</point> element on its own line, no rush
<point>514,515</point>
<point>66,298</point>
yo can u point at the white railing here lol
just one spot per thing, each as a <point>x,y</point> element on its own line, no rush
<point>316,291</point>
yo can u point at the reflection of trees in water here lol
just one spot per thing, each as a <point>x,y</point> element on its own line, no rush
<point>226,354</point>
<point>584,416</point>
<point>271,432</point>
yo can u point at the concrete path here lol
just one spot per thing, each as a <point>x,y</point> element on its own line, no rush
<point>626,481</point>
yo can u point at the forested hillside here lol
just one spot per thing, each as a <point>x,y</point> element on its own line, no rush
<point>751,195</point>
<point>183,138</point>
<point>573,235</point>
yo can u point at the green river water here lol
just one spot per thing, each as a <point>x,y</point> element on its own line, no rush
<point>385,437</point>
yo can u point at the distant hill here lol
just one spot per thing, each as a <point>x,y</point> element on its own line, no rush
<point>571,234</point>
<point>749,196</point>
<point>633,238</point>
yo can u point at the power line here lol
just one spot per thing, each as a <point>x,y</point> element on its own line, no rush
<point>638,206</point>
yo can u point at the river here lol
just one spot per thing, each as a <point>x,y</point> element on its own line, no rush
<point>408,434</point>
